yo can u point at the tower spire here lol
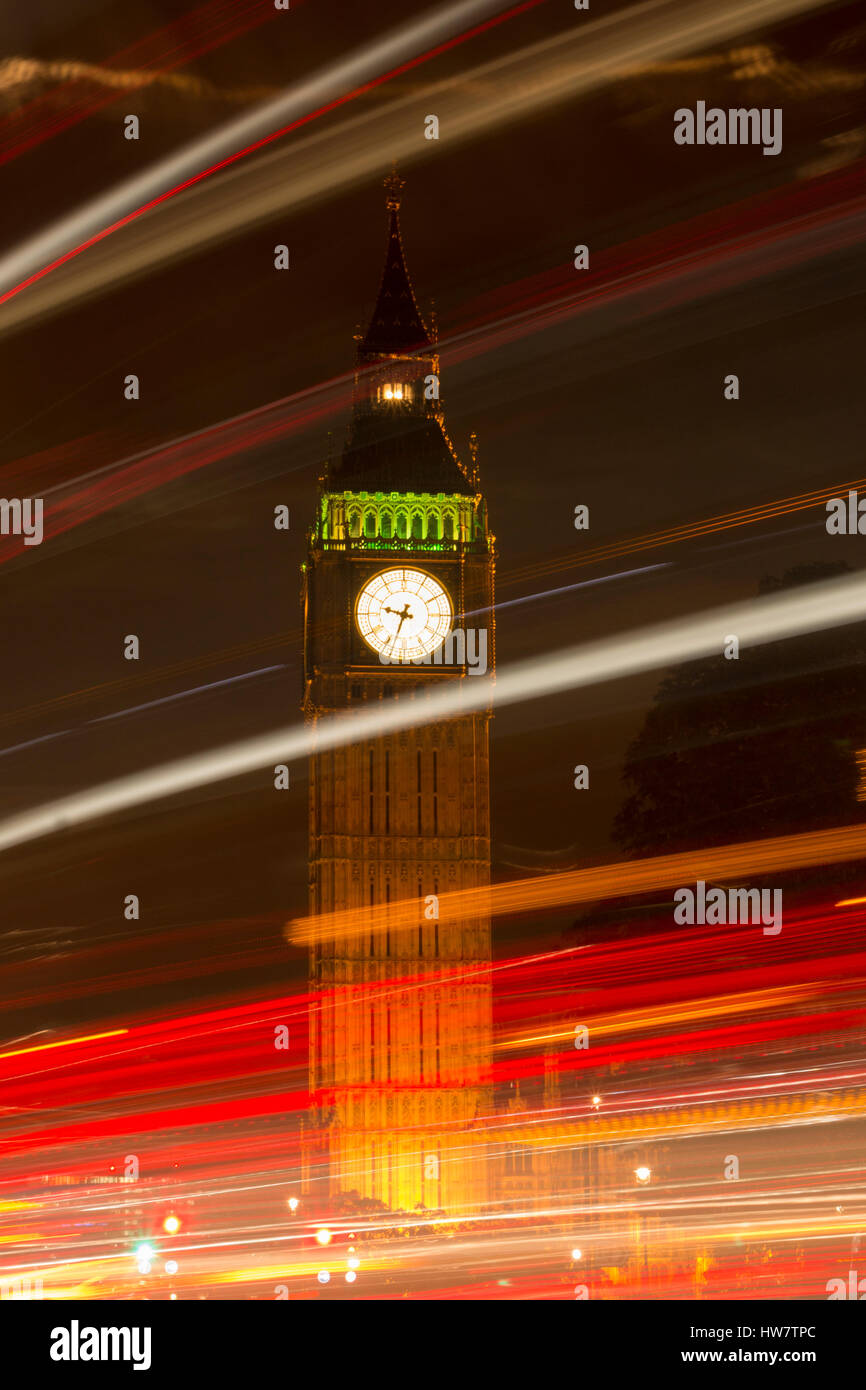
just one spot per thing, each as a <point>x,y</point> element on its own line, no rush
<point>394,186</point>
<point>396,326</point>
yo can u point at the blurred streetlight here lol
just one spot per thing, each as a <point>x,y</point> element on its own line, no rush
<point>143,1258</point>
<point>643,1175</point>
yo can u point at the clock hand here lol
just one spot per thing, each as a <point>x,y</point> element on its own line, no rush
<point>397,613</point>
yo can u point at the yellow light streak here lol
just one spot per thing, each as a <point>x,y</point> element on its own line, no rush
<point>711,1007</point>
<point>66,1042</point>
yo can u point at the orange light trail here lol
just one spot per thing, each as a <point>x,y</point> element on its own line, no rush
<point>727,521</point>
<point>628,877</point>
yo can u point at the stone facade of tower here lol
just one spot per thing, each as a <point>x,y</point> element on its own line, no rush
<point>400,550</point>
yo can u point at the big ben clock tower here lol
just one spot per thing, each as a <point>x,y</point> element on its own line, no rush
<point>398,591</point>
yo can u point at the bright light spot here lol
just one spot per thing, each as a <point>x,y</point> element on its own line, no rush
<point>323,1236</point>
<point>351,1276</point>
<point>323,1276</point>
<point>144,1253</point>
<point>643,1174</point>
<point>171,1224</point>
<point>173,1296</point>
<point>596,1100</point>
<point>171,1266</point>
<point>293,1204</point>
<point>144,1266</point>
<point>577,1254</point>
<point>353,1262</point>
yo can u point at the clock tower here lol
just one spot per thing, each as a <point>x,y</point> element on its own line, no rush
<point>398,597</point>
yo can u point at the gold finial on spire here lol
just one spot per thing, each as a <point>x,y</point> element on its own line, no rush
<point>394,186</point>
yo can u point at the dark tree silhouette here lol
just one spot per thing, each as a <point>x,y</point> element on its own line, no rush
<point>740,750</point>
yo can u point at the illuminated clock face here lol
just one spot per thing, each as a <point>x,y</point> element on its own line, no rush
<point>403,614</point>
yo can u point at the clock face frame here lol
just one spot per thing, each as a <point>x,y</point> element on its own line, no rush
<point>403,613</point>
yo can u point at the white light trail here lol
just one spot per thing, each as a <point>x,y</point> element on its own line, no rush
<point>327,85</point>
<point>811,608</point>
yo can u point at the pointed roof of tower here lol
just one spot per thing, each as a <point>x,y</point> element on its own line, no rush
<point>396,325</point>
<point>402,454</point>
